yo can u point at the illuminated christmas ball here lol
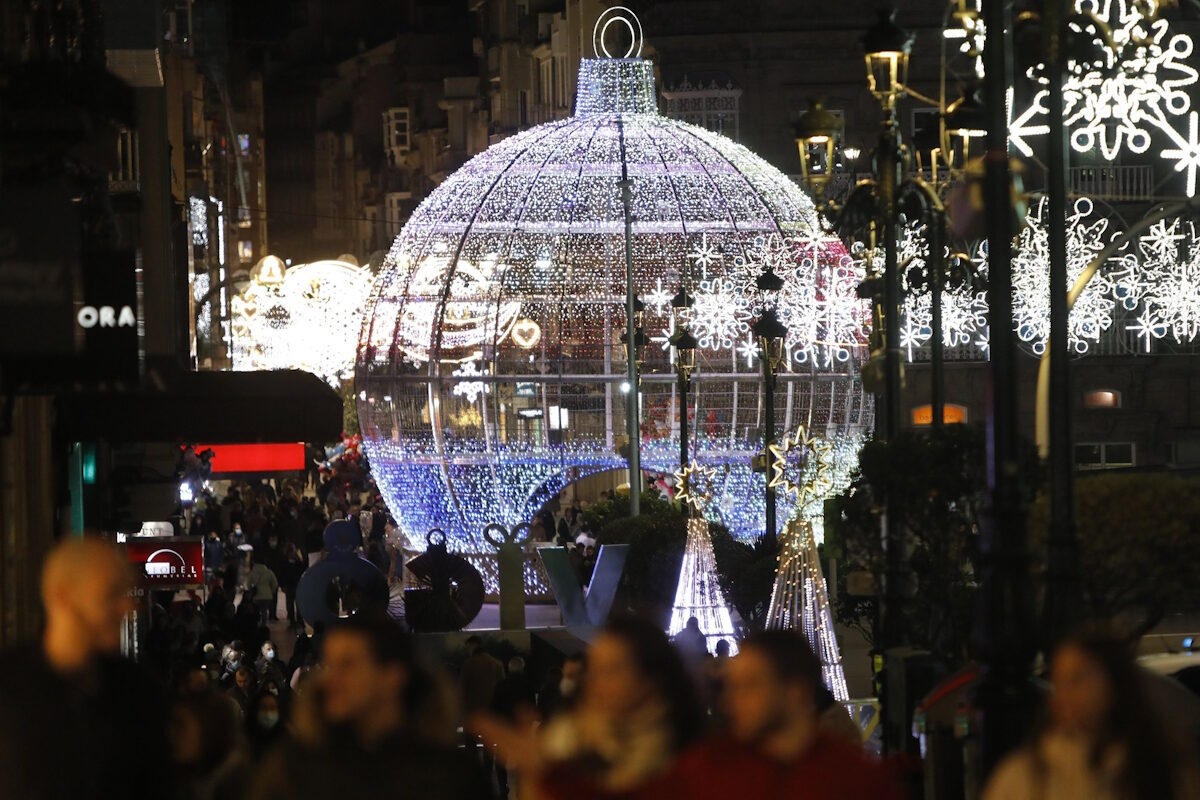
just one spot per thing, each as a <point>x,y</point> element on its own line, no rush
<point>490,366</point>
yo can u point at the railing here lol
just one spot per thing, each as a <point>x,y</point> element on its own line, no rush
<point>1114,183</point>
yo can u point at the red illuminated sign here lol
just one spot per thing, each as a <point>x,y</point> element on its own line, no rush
<point>167,562</point>
<point>235,459</point>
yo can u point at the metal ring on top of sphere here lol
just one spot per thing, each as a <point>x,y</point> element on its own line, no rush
<point>629,20</point>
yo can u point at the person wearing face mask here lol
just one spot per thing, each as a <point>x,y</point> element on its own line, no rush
<point>71,708</point>
<point>561,688</point>
<point>267,666</point>
<point>264,723</point>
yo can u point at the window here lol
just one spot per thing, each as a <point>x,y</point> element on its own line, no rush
<point>546,82</point>
<point>1104,455</point>
<point>245,251</point>
<point>952,414</point>
<point>396,129</point>
<point>243,140</point>
<point>711,105</point>
<point>1102,398</point>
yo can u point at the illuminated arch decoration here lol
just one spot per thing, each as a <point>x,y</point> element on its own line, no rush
<point>532,231</point>
<point>1134,92</point>
<point>303,317</point>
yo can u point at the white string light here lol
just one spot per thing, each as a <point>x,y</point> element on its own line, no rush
<point>1130,92</point>
<point>301,319</point>
<point>531,233</point>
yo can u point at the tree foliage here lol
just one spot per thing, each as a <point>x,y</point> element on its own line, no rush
<point>1139,537</point>
<point>746,573</point>
<point>939,484</point>
<point>656,539</point>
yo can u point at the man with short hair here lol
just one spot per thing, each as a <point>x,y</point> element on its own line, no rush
<point>776,747</point>
<point>71,709</point>
<point>371,730</point>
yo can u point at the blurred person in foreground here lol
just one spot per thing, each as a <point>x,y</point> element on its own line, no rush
<point>72,710</point>
<point>776,745</point>
<point>636,712</point>
<point>376,724</point>
<point>207,748</point>
<point>1101,740</point>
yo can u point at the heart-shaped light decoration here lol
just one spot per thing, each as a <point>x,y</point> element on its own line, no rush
<point>526,333</point>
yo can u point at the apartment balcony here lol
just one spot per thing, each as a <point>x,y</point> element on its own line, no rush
<point>1114,183</point>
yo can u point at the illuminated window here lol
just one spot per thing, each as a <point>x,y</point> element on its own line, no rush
<point>246,251</point>
<point>952,414</point>
<point>1102,398</point>
<point>243,140</point>
<point>396,129</point>
<point>1104,455</point>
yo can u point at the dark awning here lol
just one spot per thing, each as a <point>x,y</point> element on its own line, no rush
<point>284,406</point>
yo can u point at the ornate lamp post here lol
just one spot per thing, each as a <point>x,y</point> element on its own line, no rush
<point>634,357</point>
<point>771,335</point>
<point>685,345</point>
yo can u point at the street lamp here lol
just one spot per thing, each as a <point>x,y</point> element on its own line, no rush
<point>685,345</point>
<point>887,47</point>
<point>772,338</point>
<point>817,133</point>
<point>965,121</point>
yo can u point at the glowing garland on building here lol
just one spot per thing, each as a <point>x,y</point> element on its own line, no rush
<point>1129,93</point>
<point>453,408</point>
<point>303,318</point>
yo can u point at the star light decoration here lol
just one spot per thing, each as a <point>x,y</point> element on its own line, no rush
<point>803,466</point>
<point>695,485</point>
<point>1127,94</point>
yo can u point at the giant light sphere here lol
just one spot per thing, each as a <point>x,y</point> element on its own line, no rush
<point>490,372</point>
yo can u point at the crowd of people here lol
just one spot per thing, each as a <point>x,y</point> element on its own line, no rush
<point>359,711</point>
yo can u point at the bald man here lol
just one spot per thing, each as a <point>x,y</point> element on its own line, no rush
<point>76,719</point>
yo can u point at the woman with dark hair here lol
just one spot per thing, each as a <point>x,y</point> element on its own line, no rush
<point>637,711</point>
<point>1101,739</point>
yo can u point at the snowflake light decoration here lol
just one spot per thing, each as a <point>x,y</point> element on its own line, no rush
<point>826,319</point>
<point>1131,92</point>
<point>721,314</point>
<point>705,255</point>
<point>470,389</point>
<point>659,298</point>
<point>1164,280</point>
<point>964,309</point>
<point>1092,313</point>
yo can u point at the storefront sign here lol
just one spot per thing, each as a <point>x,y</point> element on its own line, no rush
<point>175,562</point>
